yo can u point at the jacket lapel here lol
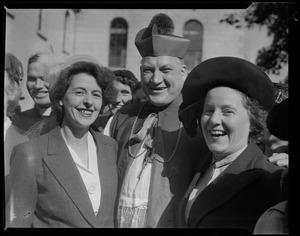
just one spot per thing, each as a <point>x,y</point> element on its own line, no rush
<point>62,166</point>
<point>182,204</point>
<point>226,185</point>
<point>105,174</point>
<point>202,166</point>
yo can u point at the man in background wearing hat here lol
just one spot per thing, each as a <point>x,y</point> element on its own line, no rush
<point>156,158</point>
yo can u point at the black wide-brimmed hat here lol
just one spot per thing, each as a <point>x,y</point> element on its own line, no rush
<point>231,72</point>
<point>158,39</point>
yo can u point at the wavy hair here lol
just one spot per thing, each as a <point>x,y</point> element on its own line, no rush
<point>102,75</point>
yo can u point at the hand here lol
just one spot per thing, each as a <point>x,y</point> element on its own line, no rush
<point>280,159</point>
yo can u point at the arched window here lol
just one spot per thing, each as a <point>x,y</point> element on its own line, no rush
<point>193,30</point>
<point>68,34</point>
<point>118,43</point>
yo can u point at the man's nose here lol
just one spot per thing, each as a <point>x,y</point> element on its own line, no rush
<point>39,83</point>
<point>157,77</point>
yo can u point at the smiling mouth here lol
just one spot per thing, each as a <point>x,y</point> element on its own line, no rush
<point>41,94</point>
<point>86,112</point>
<point>158,90</point>
<point>217,133</point>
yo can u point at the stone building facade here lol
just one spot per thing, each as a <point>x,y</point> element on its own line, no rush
<point>109,34</point>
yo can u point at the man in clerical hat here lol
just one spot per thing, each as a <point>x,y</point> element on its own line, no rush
<point>156,159</point>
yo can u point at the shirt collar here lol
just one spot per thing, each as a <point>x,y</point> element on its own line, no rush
<point>227,160</point>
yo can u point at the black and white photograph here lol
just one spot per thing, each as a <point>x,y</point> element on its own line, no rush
<point>137,117</point>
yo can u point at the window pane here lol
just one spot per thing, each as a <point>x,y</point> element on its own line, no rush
<point>118,43</point>
<point>193,30</point>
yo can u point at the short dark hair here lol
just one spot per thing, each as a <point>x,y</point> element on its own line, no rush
<point>126,77</point>
<point>36,57</point>
<point>102,75</point>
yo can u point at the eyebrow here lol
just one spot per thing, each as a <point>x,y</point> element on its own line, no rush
<point>97,90</point>
<point>168,66</point>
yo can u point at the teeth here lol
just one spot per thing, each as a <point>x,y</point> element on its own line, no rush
<point>86,112</point>
<point>217,132</point>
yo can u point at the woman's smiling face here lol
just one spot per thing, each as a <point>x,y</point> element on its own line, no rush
<point>225,121</point>
<point>82,101</point>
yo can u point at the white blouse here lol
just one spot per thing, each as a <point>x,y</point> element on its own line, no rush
<point>90,174</point>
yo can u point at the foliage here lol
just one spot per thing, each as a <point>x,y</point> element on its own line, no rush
<point>275,16</point>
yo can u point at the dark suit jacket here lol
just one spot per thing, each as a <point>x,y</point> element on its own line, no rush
<point>169,180</point>
<point>100,123</point>
<point>236,198</point>
<point>46,189</point>
<point>27,119</point>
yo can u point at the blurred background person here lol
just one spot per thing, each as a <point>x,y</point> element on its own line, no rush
<point>124,82</point>
<point>13,76</point>
<point>275,220</point>
<point>269,140</point>
<point>138,93</point>
<point>282,92</point>
<point>120,92</point>
<point>276,140</point>
<point>37,70</point>
<point>229,99</point>
<point>68,176</point>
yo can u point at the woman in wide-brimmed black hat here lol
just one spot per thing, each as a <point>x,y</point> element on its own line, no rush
<point>228,99</point>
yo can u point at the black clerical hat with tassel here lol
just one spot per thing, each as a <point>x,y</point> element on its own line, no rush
<point>158,39</point>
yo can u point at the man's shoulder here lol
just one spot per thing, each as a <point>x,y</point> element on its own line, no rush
<point>124,119</point>
<point>131,108</point>
<point>29,112</point>
<point>26,118</point>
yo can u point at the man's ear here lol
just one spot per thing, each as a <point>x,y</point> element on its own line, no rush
<point>141,72</point>
<point>184,71</point>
